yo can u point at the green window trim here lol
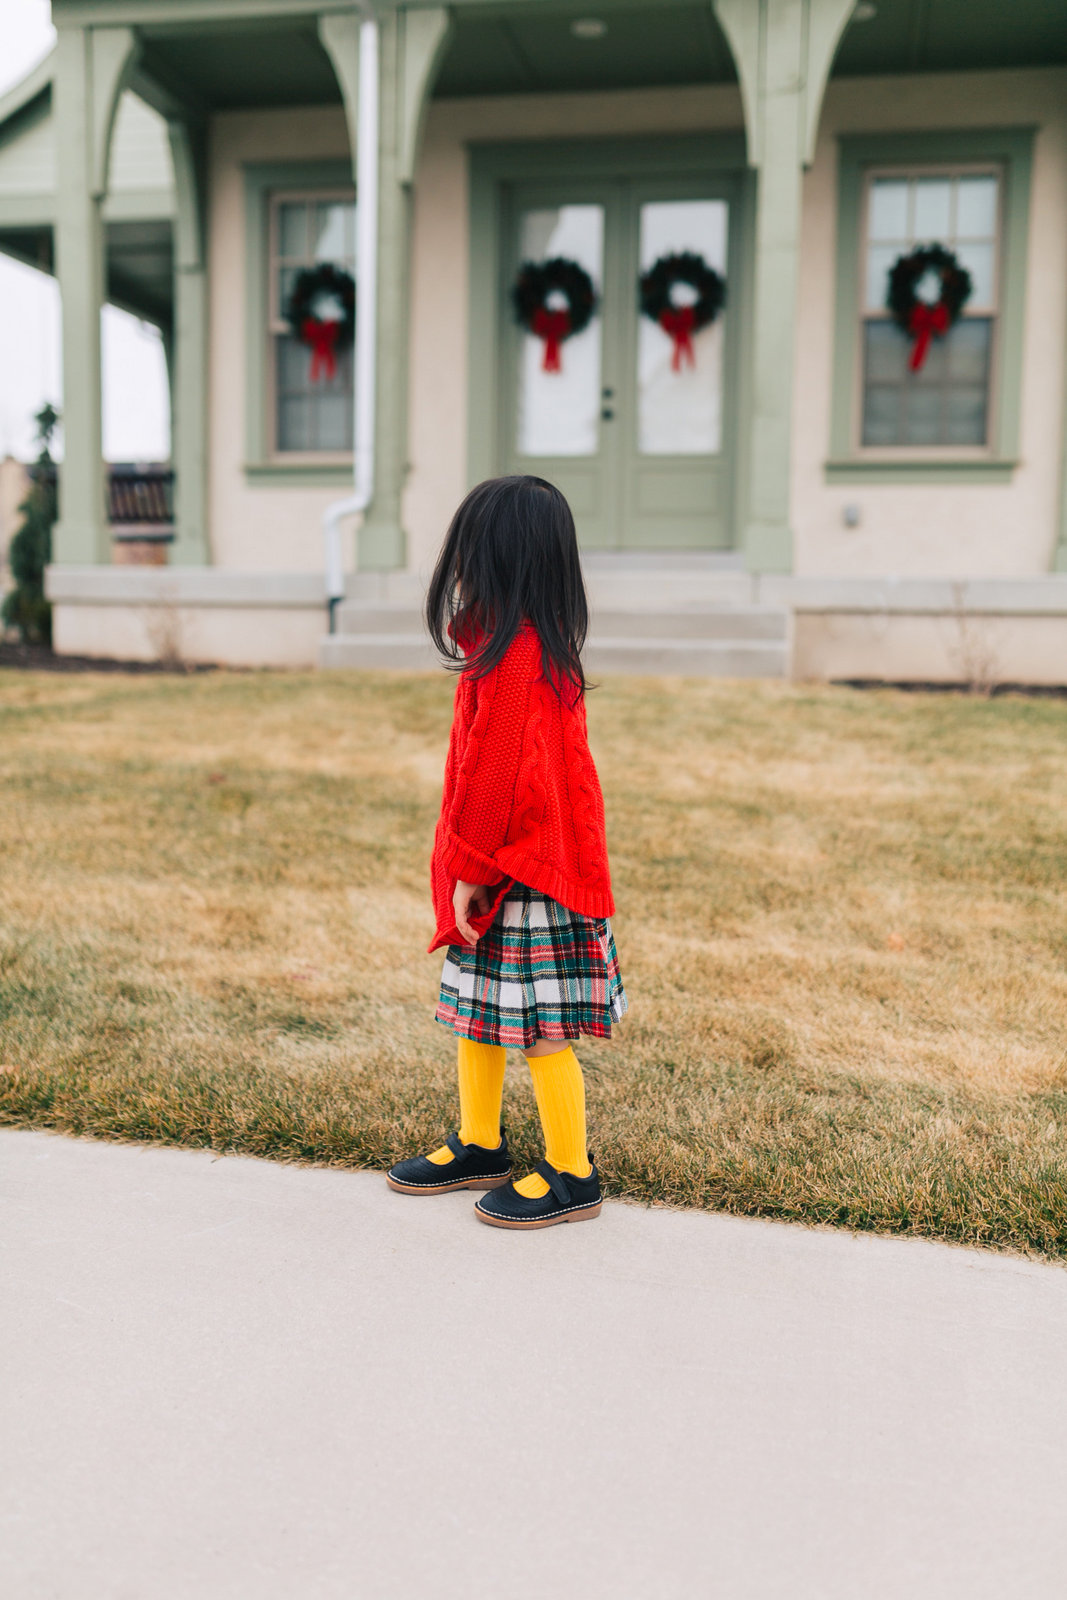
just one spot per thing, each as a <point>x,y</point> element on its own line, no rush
<point>300,474</point>
<point>1011,148</point>
<point>261,180</point>
<point>972,469</point>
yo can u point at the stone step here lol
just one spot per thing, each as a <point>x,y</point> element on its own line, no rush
<point>690,657</point>
<point>356,618</point>
<point>696,622</point>
<point>405,651</point>
<point>622,583</point>
<point>662,590</point>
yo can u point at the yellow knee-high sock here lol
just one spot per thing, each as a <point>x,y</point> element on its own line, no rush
<point>560,1091</point>
<point>481,1088</point>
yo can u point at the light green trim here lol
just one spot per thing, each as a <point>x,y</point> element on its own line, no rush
<point>129,205</point>
<point>27,210</point>
<point>918,471</point>
<point>1059,554</point>
<point>782,49</point>
<point>260,180</point>
<point>140,205</point>
<point>425,39</point>
<point>38,81</point>
<point>90,70</point>
<point>93,13</point>
<point>1013,148</point>
<point>189,355</point>
<point>492,167</point>
<point>339,35</point>
<point>293,475</point>
<point>112,54</point>
<point>485,287</point>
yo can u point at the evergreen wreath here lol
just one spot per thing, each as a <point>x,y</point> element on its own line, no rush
<point>536,283</point>
<point>923,320</point>
<point>680,322</point>
<point>324,336</point>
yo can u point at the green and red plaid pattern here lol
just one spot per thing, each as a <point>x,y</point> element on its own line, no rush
<point>539,972</point>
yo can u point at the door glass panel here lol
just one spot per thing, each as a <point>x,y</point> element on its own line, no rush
<point>679,413</point>
<point>559,412</point>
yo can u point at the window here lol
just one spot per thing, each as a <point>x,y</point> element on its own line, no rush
<point>956,419</point>
<point>311,416</point>
<point>945,403</point>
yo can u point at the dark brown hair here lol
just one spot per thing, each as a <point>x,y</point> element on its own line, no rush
<point>510,554</point>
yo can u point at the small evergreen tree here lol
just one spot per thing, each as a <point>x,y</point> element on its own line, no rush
<point>30,550</point>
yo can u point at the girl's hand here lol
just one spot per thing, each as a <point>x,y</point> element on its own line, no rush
<point>468,898</point>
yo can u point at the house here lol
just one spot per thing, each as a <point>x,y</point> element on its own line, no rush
<point>793,282</point>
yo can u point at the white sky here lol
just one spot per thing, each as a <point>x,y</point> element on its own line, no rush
<point>136,409</point>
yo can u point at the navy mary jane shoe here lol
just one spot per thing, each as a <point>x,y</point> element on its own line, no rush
<point>472,1167</point>
<point>569,1199</point>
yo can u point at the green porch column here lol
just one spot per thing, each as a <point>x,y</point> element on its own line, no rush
<point>189,394</point>
<point>410,46</point>
<point>783,50</point>
<point>91,68</point>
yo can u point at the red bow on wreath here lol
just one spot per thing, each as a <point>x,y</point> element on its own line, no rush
<point>679,322</point>
<point>553,327</point>
<point>322,337</point>
<point>925,321</point>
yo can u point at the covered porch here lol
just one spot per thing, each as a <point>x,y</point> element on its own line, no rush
<point>734,88</point>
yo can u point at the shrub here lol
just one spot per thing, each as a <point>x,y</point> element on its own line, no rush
<point>31,548</point>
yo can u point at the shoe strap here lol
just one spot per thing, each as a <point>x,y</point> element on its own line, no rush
<point>457,1147</point>
<point>556,1182</point>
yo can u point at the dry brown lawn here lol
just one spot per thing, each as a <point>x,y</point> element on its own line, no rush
<point>842,921</point>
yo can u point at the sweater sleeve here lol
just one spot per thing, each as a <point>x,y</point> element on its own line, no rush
<point>495,754</point>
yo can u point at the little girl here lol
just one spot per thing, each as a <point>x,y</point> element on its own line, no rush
<point>521,887</point>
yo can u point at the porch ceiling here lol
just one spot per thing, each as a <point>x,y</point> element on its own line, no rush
<point>954,36</point>
<point>140,262</point>
<point>508,49</point>
<point>226,67</point>
<point>140,268</point>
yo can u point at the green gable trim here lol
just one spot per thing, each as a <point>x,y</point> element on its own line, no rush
<point>261,180</point>
<point>1013,147</point>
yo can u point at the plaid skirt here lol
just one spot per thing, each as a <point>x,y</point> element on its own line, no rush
<point>538,972</point>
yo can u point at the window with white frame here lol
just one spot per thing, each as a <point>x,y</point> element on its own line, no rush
<point>946,403</point>
<point>311,405</point>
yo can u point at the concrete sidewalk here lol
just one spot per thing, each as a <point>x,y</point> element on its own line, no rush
<point>233,1380</point>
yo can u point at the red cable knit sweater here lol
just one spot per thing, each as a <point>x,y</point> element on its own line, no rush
<point>522,799</point>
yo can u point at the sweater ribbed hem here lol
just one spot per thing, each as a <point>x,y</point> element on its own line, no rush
<point>515,864</point>
<point>468,865</point>
<point>587,900</point>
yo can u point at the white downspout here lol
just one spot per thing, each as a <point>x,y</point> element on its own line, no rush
<point>366,352</point>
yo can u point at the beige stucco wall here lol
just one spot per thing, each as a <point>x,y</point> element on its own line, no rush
<point>936,529</point>
<point>997,530</point>
<point>439,293</point>
<point>235,636</point>
<point>930,529</point>
<point>943,648</point>
<point>275,527</point>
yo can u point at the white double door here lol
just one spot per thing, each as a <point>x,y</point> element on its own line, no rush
<point>641,444</point>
